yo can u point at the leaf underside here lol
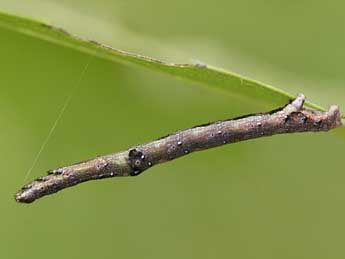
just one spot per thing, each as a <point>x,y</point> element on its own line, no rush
<point>229,83</point>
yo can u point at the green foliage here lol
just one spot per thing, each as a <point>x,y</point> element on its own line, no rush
<point>230,83</point>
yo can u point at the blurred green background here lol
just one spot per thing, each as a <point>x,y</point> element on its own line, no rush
<point>279,197</point>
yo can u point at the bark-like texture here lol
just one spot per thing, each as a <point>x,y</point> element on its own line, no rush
<point>289,119</point>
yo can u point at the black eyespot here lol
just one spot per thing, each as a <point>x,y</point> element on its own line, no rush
<point>136,161</point>
<point>133,153</point>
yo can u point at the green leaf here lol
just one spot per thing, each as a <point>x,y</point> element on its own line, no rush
<point>214,78</point>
